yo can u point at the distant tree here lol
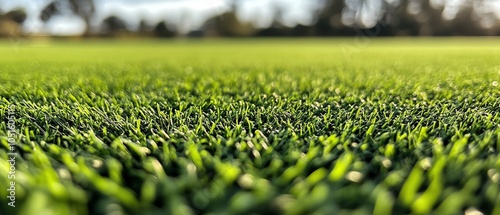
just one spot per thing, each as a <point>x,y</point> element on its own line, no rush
<point>482,17</point>
<point>144,27</point>
<point>227,24</point>
<point>277,27</point>
<point>113,25</point>
<point>82,8</point>
<point>10,23</point>
<point>17,15</point>
<point>329,19</point>
<point>464,25</point>
<point>48,11</point>
<point>407,18</point>
<point>162,30</point>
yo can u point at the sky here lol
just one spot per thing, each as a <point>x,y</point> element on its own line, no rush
<point>184,15</point>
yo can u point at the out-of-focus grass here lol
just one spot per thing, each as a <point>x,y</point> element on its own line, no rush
<point>253,126</point>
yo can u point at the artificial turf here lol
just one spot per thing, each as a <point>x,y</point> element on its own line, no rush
<point>284,126</point>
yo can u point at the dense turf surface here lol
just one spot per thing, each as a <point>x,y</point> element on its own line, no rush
<point>262,127</point>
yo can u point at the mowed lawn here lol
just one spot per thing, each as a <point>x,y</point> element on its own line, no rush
<point>274,126</point>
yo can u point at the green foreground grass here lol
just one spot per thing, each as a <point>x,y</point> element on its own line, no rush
<point>252,127</point>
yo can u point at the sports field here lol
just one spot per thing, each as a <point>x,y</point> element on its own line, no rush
<point>284,126</point>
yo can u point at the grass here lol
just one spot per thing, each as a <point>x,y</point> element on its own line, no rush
<point>252,127</point>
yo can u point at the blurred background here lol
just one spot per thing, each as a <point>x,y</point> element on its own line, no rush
<point>248,18</point>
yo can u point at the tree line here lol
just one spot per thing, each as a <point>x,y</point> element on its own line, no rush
<point>334,18</point>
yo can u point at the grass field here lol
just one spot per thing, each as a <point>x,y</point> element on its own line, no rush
<point>252,127</point>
